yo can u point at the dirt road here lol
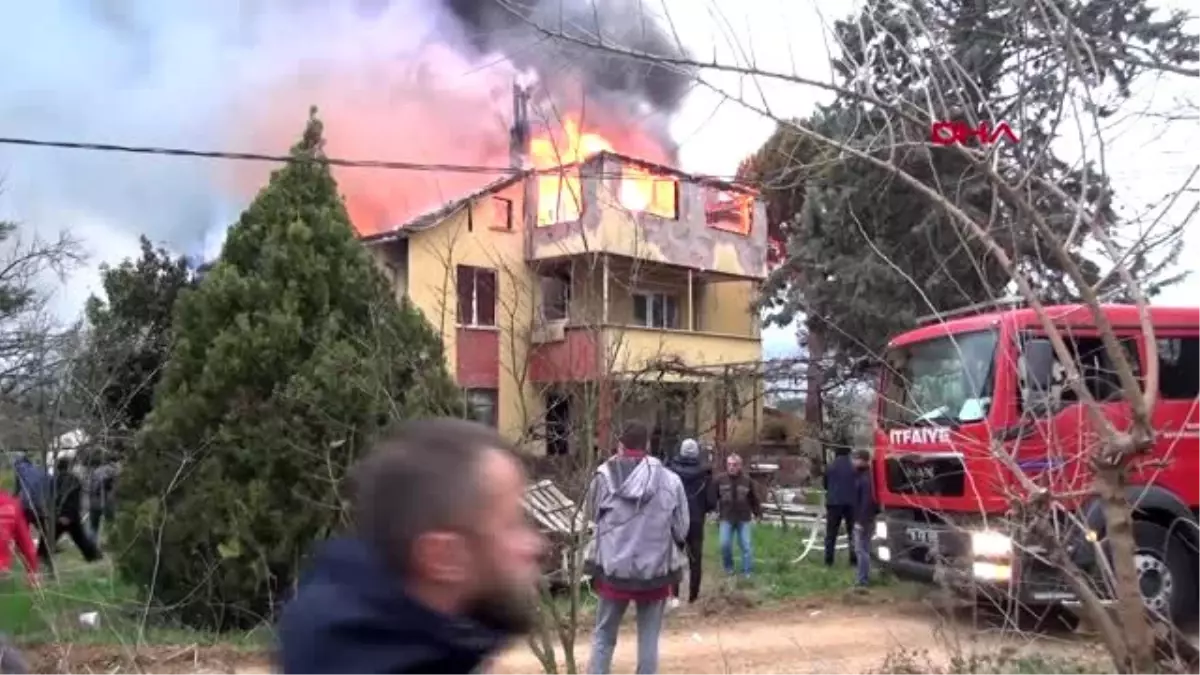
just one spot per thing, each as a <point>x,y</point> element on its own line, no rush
<point>825,637</point>
<point>835,639</point>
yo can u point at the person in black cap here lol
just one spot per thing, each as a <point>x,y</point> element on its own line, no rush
<point>696,475</point>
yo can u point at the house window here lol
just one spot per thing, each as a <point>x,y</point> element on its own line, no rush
<point>644,191</point>
<point>656,310</point>
<point>556,297</point>
<point>482,405</point>
<point>476,296</point>
<point>728,210</point>
<point>1179,368</point>
<point>502,218</point>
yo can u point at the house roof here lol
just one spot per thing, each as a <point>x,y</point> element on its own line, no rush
<point>436,215</point>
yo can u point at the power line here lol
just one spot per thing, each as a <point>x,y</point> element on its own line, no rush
<point>256,157</point>
<point>286,159</point>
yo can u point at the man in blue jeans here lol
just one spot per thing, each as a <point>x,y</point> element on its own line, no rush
<point>865,510</point>
<point>737,504</point>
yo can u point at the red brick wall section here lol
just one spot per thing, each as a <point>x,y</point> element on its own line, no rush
<point>478,351</point>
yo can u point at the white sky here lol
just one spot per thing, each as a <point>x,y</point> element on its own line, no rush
<point>1145,159</point>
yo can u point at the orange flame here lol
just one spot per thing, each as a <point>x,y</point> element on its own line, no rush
<point>559,193</point>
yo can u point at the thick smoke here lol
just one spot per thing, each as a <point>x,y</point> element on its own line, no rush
<point>412,80</point>
<point>514,26</point>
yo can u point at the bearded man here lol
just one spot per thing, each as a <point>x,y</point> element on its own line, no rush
<point>440,569</point>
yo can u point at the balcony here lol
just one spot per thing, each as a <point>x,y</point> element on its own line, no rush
<point>623,207</point>
<point>616,316</point>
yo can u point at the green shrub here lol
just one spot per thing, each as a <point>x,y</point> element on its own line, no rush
<point>287,359</point>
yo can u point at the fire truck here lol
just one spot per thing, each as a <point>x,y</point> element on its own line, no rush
<point>958,388</point>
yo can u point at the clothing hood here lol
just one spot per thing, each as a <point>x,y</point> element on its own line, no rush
<point>689,467</point>
<point>351,615</point>
<point>633,477</point>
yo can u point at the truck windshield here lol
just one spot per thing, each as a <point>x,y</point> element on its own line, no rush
<point>944,381</point>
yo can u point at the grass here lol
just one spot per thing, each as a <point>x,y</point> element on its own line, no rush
<point>775,576</point>
<point>53,612</point>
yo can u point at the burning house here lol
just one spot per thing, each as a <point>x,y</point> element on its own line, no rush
<point>591,284</point>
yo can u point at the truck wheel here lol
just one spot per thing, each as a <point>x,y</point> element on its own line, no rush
<point>1166,568</point>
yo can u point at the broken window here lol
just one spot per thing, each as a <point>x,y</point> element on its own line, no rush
<point>656,310</point>
<point>502,217</point>
<point>559,197</point>
<point>727,210</point>
<point>643,191</point>
<point>556,297</point>
<point>482,405</point>
<point>476,296</point>
<point>1179,368</point>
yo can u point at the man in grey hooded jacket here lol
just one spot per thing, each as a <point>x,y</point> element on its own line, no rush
<point>641,514</point>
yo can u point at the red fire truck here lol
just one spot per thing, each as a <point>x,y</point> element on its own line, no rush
<point>955,386</point>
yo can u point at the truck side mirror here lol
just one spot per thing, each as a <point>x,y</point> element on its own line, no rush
<point>1038,355</point>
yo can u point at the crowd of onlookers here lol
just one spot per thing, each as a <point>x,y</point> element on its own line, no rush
<point>442,565</point>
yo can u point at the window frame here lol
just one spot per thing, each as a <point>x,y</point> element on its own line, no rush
<point>1181,336</point>
<point>649,298</point>
<point>493,400</point>
<point>498,202</point>
<point>565,299</point>
<point>474,318</point>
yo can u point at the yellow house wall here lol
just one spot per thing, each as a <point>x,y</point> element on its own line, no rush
<point>434,255</point>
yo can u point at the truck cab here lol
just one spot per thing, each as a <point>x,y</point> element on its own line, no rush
<point>956,391</point>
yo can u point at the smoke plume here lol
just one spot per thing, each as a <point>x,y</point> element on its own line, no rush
<point>425,81</point>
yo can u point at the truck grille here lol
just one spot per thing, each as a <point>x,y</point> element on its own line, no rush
<point>927,476</point>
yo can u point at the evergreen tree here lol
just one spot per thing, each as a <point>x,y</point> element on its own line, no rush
<point>128,341</point>
<point>289,356</point>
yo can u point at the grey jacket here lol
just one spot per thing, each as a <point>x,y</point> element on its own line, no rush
<point>641,515</point>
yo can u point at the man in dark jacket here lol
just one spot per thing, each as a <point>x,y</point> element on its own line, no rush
<point>67,498</point>
<point>865,510</point>
<point>737,503</point>
<point>102,488</point>
<point>839,503</point>
<point>696,475</point>
<point>441,567</point>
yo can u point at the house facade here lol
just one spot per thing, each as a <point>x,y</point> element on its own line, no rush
<point>572,300</point>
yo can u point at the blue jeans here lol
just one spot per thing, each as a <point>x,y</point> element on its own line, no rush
<point>862,549</point>
<point>608,624</point>
<point>727,532</point>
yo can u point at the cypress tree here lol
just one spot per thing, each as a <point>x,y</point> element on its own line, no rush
<point>288,358</point>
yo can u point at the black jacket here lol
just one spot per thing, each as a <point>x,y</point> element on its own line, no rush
<point>865,508</point>
<point>68,495</point>
<point>839,481</point>
<point>350,615</point>
<point>696,478</point>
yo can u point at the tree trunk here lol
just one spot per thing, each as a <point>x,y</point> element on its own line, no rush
<point>815,376</point>
<point>1118,515</point>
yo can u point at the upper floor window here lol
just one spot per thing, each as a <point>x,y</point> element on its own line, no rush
<point>502,215</point>
<point>1179,368</point>
<point>646,192</point>
<point>728,210</point>
<point>476,296</point>
<point>656,310</point>
<point>559,197</point>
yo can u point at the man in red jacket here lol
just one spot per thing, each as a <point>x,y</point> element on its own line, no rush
<point>14,529</point>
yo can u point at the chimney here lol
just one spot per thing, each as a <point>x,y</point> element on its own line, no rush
<point>518,135</point>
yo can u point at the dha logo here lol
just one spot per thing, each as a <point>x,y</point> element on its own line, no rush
<point>920,436</point>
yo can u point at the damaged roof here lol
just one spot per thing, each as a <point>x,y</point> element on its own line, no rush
<point>438,214</point>
<point>434,216</point>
